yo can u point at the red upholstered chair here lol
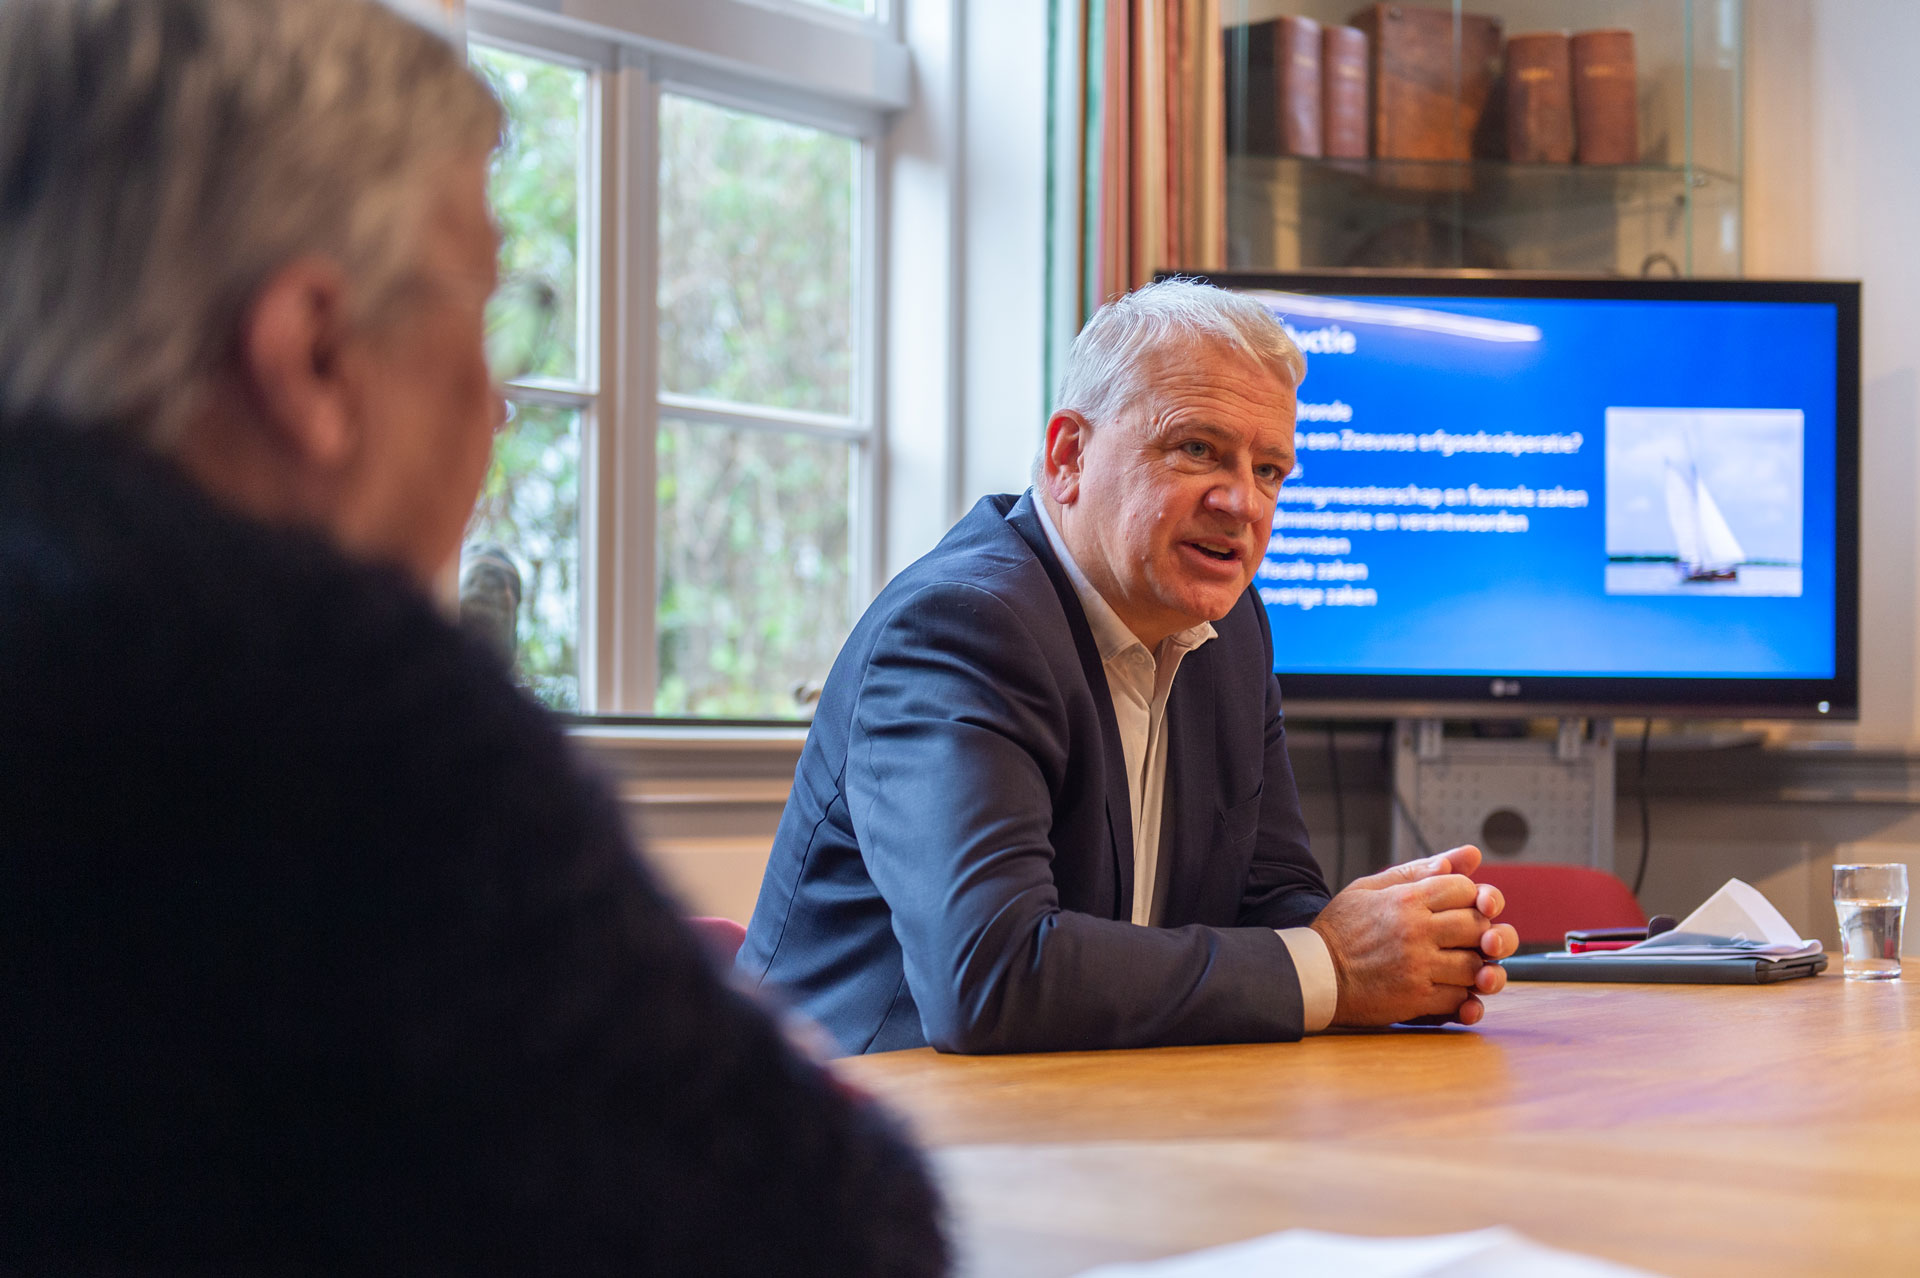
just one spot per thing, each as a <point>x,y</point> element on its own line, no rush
<point>723,936</point>
<point>1545,902</point>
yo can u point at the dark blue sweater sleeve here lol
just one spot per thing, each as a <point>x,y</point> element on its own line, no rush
<point>324,955</point>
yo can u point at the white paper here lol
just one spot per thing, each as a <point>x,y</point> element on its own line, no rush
<point>1739,913</point>
<point>1691,953</point>
<point>1308,1253</point>
<point>1735,922</point>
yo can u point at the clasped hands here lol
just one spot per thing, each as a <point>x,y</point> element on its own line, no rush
<point>1413,943</point>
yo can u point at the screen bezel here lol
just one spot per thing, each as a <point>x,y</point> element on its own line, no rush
<point>1376,696</point>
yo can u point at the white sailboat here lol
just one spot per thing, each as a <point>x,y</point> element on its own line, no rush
<point>1708,550</point>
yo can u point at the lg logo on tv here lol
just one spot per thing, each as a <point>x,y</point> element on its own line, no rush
<point>1506,687</point>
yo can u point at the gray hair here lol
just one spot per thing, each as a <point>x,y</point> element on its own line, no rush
<point>1104,368</point>
<point>160,159</point>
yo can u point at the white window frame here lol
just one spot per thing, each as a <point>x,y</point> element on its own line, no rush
<point>786,59</point>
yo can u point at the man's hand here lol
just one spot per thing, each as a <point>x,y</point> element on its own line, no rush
<point>1412,942</point>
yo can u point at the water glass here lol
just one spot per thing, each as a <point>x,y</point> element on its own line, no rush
<point>1871,901</point>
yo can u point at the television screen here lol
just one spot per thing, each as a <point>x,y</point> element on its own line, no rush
<point>1519,495</point>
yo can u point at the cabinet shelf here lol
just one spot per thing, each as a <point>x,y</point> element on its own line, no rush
<point>1446,176</point>
<point>1676,212</point>
<point>1292,213</point>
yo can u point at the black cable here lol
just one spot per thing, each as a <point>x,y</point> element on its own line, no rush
<point>1646,813</point>
<point>1339,814</point>
<point>1426,848</point>
<point>1406,813</point>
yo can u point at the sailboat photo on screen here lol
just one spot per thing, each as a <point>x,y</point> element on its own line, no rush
<point>1704,501</point>
<point>1707,550</point>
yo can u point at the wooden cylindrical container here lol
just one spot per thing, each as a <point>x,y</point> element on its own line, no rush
<point>1605,107</point>
<point>1296,76</point>
<point>1540,98</point>
<point>1343,92</point>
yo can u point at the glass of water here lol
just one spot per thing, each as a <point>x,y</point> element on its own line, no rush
<point>1872,902</point>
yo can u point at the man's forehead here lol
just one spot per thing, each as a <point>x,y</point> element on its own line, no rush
<point>1197,374</point>
<point>1207,360</point>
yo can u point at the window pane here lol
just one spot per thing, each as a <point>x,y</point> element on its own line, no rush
<point>755,568</point>
<point>851,6</point>
<point>756,258</point>
<point>534,323</point>
<point>530,509</point>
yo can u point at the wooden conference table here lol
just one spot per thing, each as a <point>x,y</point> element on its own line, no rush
<point>1685,1129</point>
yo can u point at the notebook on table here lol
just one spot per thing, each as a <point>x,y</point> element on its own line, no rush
<point>1749,970</point>
<point>1735,938</point>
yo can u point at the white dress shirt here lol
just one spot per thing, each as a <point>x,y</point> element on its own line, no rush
<point>1139,682</point>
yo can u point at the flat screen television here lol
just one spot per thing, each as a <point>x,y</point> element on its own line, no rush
<point>1523,495</point>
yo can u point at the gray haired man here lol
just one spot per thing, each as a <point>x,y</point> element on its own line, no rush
<point>1046,803</point>
<point>322,955</point>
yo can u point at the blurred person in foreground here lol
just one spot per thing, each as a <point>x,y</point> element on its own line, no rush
<point>1046,803</point>
<point>322,954</point>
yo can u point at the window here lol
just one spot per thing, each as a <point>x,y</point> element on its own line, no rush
<point>851,6</point>
<point>538,343</point>
<point>684,332</point>
<point>759,446</point>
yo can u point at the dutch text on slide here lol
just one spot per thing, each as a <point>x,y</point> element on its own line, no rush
<point>1311,560</point>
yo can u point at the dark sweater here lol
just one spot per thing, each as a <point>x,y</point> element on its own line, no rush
<point>319,953</point>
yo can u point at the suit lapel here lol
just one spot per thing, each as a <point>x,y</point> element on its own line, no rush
<point>1119,805</point>
<point>1186,831</point>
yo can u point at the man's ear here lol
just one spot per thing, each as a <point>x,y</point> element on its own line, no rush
<point>1067,434</point>
<point>291,345</point>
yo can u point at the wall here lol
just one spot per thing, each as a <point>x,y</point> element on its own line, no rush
<point>1832,168</point>
<point>1004,300</point>
<point>1779,818</point>
<point>1833,187</point>
<point>966,187</point>
<point>1832,172</point>
<point>1832,165</point>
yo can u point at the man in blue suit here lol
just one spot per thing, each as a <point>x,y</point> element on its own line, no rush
<point>1046,802</point>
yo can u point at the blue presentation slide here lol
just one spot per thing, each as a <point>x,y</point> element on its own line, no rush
<point>1557,487</point>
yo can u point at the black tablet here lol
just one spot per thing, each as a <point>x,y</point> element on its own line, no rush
<point>1667,971</point>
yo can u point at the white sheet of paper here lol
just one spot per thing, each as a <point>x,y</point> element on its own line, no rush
<point>1308,1253</point>
<point>1679,952</point>
<point>1735,922</point>
<point>1738,912</point>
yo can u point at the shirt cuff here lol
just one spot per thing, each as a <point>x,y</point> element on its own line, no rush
<point>1319,989</point>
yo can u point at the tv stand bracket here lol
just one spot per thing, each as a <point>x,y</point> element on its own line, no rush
<point>1517,798</point>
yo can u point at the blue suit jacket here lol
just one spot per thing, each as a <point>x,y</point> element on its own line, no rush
<point>955,863</point>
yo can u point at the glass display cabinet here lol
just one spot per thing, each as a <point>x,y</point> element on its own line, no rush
<point>1572,136</point>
